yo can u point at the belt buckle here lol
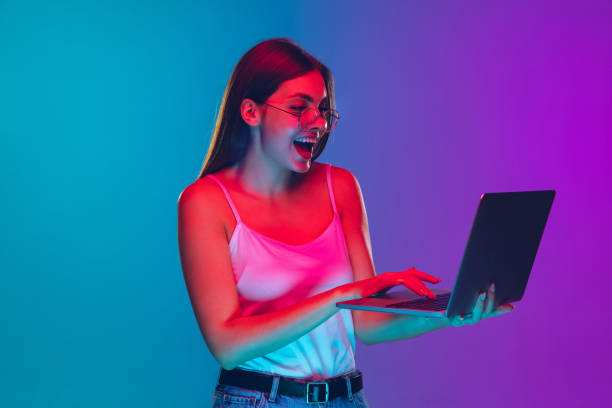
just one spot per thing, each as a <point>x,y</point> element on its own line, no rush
<point>313,394</point>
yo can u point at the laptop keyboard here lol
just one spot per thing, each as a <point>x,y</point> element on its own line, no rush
<point>438,304</point>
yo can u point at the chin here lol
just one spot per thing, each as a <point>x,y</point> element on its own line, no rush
<point>304,167</point>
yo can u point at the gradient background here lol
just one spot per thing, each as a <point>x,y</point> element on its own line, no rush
<point>106,111</point>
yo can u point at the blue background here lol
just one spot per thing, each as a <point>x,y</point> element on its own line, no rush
<point>106,112</point>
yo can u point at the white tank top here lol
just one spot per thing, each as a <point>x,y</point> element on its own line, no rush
<point>271,275</point>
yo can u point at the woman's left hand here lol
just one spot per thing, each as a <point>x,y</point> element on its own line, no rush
<point>484,308</point>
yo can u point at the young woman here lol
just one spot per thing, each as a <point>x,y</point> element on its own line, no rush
<point>270,239</point>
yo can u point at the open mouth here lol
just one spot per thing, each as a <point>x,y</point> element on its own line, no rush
<point>304,147</point>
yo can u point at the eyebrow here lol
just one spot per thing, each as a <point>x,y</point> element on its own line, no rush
<point>306,97</point>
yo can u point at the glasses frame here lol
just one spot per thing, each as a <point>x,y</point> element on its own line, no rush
<point>333,112</point>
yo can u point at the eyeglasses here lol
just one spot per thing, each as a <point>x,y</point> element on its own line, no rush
<point>310,115</point>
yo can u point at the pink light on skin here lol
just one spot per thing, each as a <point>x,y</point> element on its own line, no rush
<point>280,129</point>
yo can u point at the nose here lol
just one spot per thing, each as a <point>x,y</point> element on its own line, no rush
<point>319,123</point>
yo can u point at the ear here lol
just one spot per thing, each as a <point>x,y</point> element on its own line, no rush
<point>250,112</point>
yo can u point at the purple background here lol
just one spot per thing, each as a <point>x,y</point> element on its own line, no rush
<point>441,104</point>
<point>106,111</point>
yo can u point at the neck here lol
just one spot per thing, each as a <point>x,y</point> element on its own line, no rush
<point>263,177</point>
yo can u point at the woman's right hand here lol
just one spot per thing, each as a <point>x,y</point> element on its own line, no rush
<point>411,278</point>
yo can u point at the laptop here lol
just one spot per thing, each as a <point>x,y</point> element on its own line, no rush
<point>501,248</point>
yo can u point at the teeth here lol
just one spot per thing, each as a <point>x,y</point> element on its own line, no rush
<point>307,139</point>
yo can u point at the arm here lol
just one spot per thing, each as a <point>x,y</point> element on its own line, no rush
<point>384,327</point>
<point>205,259</point>
<point>370,327</point>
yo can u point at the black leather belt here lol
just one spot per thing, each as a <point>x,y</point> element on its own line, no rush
<point>321,391</point>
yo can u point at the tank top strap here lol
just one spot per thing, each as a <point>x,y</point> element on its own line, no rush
<point>329,186</point>
<point>229,200</point>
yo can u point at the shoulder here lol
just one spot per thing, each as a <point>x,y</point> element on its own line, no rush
<point>340,176</point>
<point>198,193</point>
<point>203,197</point>
<point>346,188</point>
<point>343,180</point>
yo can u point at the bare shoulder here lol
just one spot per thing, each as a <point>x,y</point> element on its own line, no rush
<point>343,180</point>
<point>201,193</point>
<point>203,199</point>
<point>342,176</point>
<point>346,189</point>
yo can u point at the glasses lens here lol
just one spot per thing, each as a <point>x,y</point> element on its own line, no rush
<point>309,116</point>
<point>331,118</point>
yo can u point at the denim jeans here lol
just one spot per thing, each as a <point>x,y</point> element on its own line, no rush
<point>230,396</point>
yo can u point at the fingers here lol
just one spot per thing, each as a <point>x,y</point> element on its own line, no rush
<point>412,278</point>
<point>409,280</point>
<point>418,287</point>
<point>503,309</point>
<point>490,302</point>
<point>479,308</point>
<point>457,321</point>
<point>485,304</point>
<point>387,280</point>
<point>461,320</point>
<point>424,276</point>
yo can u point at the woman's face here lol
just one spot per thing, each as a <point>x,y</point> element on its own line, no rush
<point>279,130</point>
